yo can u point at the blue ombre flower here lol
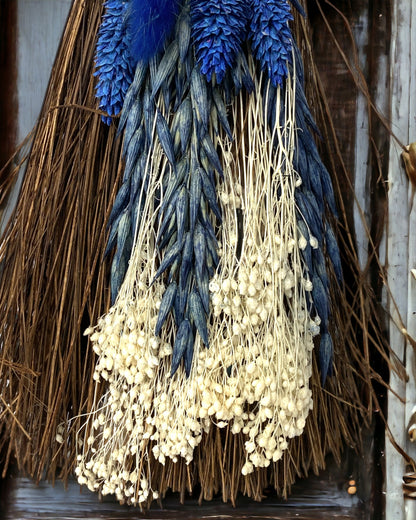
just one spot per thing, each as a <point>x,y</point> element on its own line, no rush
<point>218,28</point>
<point>150,24</point>
<point>112,59</point>
<point>271,37</point>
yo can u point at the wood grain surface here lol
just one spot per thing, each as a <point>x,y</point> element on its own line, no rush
<point>29,502</point>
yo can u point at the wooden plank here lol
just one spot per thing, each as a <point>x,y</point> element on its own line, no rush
<point>398,240</point>
<point>410,505</point>
<point>8,105</point>
<point>40,26</point>
<point>362,174</point>
<point>8,74</point>
<point>338,84</point>
<point>29,501</point>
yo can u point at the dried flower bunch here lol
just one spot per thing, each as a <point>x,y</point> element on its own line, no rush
<point>198,378</point>
<point>220,277</point>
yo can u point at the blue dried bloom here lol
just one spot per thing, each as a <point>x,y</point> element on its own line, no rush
<point>218,29</point>
<point>271,37</point>
<point>112,59</point>
<point>150,24</point>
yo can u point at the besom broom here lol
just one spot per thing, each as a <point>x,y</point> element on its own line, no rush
<point>225,269</point>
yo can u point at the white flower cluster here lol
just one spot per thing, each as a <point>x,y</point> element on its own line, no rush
<point>256,372</point>
<point>107,476</point>
<point>117,431</point>
<point>144,410</point>
<point>144,413</point>
<point>249,297</point>
<point>232,197</point>
<point>126,344</point>
<point>178,427</point>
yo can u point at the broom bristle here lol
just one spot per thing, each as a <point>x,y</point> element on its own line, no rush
<point>52,276</point>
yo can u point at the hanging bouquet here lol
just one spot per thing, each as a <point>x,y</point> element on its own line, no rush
<point>224,250</point>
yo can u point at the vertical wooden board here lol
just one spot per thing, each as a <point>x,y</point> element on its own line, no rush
<point>8,83</point>
<point>339,86</point>
<point>411,311</point>
<point>362,208</point>
<point>398,243</point>
<point>40,25</point>
<point>379,84</point>
<point>8,105</point>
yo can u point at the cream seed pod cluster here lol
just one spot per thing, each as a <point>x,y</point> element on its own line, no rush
<point>116,431</point>
<point>144,412</point>
<point>256,373</point>
<point>114,442</point>
<point>178,422</point>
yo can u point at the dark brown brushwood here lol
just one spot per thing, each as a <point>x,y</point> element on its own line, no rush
<point>53,275</point>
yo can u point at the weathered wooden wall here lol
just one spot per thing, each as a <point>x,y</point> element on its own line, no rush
<point>33,31</point>
<point>40,25</point>
<point>353,69</point>
<point>381,209</point>
<point>401,250</point>
<point>8,75</point>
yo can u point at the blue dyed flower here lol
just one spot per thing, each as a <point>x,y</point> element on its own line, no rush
<point>112,59</point>
<point>150,24</point>
<point>218,28</point>
<point>271,37</point>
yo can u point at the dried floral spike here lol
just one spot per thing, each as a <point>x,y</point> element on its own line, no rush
<point>271,37</point>
<point>113,60</point>
<point>181,343</point>
<point>218,30</point>
<point>166,67</point>
<point>165,306</point>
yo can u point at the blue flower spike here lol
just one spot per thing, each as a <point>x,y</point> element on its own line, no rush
<point>271,37</point>
<point>218,30</point>
<point>113,62</point>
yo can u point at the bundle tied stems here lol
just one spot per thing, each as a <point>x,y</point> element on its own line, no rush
<point>254,377</point>
<point>261,351</point>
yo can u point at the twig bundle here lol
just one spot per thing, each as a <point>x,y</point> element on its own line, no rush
<point>51,275</point>
<point>255,374</point>
<point>269,280</point>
